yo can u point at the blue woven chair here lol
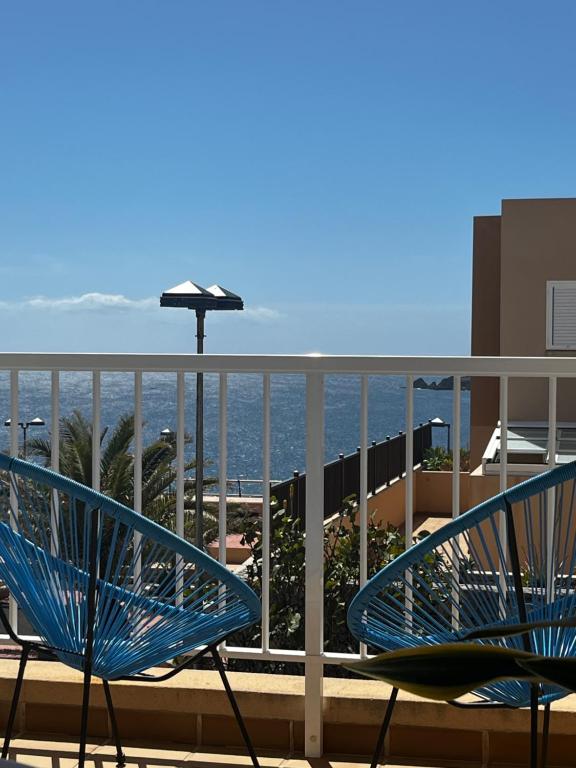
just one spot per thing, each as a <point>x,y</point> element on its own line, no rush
<point>108,591</point>
<point>510,560</point>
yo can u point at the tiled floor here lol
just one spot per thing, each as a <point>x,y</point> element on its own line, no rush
<point>38,752</point>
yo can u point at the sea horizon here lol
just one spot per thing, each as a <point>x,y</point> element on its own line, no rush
<point>386,413</point>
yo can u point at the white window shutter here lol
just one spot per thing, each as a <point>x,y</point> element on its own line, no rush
<point>561,314</point>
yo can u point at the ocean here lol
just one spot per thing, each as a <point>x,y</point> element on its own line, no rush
<point>386,413</point>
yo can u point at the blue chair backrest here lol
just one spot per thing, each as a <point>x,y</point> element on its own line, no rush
<point>462,577</point>
<point>157,596</point>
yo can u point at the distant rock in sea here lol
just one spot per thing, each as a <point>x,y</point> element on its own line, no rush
<point>446,383</point>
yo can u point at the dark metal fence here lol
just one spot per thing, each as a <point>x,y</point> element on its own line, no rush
<point>386,462</point>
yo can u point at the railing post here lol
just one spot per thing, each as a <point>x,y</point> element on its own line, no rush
<point>341,480</point>
<point>409,462</point>
<point>14,398</point>
<point>180,427</point>
<point>314,613</point>
<point>503,528</point>
<point>456,415</point>
<point>363,489</point>
<point>223,466</point>
<point>138,471</point>
<point>96,409</point>
<point>372,466</point>
<point>551,492</point>
<point>294,492</point>
<point>55,460</point>
<point>266,514</point>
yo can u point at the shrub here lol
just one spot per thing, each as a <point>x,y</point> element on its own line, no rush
<point>438,459</point>
<point>287,579</point>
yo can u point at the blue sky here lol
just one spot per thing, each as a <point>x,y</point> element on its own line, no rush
<point>324,159</point>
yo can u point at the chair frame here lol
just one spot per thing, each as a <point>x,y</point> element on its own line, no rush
<point>61,483</point>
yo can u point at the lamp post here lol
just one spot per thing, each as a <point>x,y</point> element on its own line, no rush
<point>24,425</point>
<point>193,296</point>
<point>167,434</point>
<point>438,422</point>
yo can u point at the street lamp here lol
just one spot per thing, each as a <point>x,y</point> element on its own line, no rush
<point>438,422</point>
<point>37,422</point>
<point>192,296</point>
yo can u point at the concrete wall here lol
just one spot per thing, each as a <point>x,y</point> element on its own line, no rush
<point>434,493</point>
<point>432,497</point>
<point>192,710</point>
<point>388,506</point>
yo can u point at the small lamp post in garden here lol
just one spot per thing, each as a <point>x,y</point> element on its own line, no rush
<point>24,425</point>
<point>438,422</point>
<point>193,296</point>
<point>167,434</point>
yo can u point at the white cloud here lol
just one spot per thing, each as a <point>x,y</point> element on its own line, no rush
<point>90,301</point>
<point>258,315</point>
<point>85,302</point>
<point>261,314</point>
<point>101,302</point>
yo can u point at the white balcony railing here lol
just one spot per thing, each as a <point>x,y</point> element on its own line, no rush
<point>314,368</point>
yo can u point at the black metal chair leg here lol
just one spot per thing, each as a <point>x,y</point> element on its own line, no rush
<point>120,757</point>
<point>84,717</point>
<point>234,705</point>
<point>534,726</point>
<point>15,699</point>
<point>384,728</point>
<point>545,731</point>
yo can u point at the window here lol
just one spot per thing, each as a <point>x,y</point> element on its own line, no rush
<point>561,314</point>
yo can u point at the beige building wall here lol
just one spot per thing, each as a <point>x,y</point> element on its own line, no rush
<point>538,244</point>
<point>485,330</point>
<point>514,255</point>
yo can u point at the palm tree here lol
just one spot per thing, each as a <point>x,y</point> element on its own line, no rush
<point>117,465</point>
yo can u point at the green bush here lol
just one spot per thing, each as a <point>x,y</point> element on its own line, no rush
<point>438,459</point>
<point>287,579</point>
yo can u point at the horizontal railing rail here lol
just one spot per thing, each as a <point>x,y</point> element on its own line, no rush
<point>321,364</point>
<point>313,651</point>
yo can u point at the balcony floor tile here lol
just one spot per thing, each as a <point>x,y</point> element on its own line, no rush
<point>47,751</point>
<point>212,759</point>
